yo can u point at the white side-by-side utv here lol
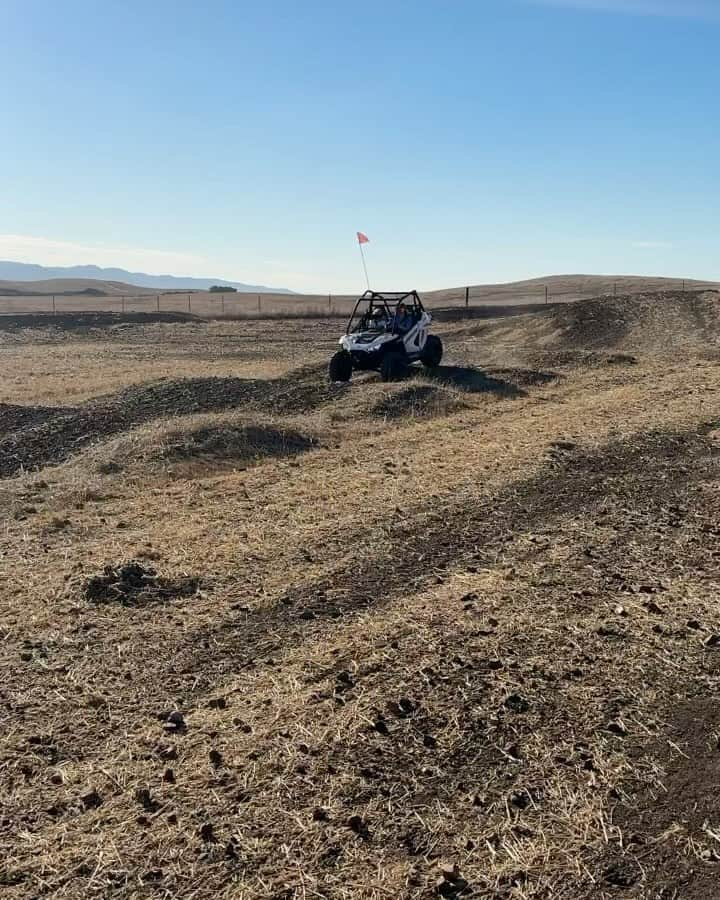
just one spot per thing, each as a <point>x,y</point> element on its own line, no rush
<point>387,332</point>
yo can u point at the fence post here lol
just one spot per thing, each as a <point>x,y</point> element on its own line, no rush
<point>330,303</point>
<point>683,285</point>
<point>189,303</point>
<point>53,296</point>
<point>222,303</point>
<point>546,294</point>
<point>157,302</point>
<point>122,304</point>
<point>259,305</point>
<point>467,297</point>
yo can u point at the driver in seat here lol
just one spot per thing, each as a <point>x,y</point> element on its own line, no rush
<point>378,319</point>
<point>403,321</point>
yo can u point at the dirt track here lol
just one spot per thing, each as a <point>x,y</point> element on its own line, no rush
<point>79,321</point>
<point>454,637</point>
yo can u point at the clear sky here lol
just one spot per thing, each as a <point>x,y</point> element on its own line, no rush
<point>472,140</point>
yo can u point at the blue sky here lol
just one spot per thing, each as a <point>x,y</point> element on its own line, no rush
<point>472,140</point>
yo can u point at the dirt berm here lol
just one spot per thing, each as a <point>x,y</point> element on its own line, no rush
<point>596,331</point>
<point>645,322</point>
<point>53,436</point>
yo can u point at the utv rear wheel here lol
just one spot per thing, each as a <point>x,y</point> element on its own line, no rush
<point>340,368</point>
<point>432,352</point>
<point>393,367</point>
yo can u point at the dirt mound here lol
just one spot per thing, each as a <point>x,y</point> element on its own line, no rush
<point>236,442</point>
<point>649,322</point>
<point>298,391</point>
<point>418,401</point>
<point>61,436</point>
<point>599,332</point>
<point>183,451</point>
<point>132,583</point>
<point>13,417</point>
<point>78,321</point>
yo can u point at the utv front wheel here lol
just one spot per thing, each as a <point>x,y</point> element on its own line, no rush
<point>393,367</point>
<point>340,368</point>
<point>432,352</point>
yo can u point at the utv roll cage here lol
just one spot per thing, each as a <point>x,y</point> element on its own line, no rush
<point>383,304</point>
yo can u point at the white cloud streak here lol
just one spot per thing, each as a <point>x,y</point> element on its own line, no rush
<point>51,252</point>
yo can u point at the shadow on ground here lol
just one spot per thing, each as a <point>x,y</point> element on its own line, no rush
<point>474,381</point>
<point>505,382</point>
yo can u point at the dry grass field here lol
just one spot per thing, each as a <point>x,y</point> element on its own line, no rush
<point>112,296</point>
<point>262,636</point>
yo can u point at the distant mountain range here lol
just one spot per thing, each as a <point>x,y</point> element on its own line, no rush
<point>17,271</point>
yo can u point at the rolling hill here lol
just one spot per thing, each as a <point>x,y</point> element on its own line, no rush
<point>17,271</point>
<point>92,287</point>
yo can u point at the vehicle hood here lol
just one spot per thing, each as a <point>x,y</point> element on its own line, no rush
<point>365,341</point>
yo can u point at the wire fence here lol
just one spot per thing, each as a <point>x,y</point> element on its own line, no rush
<point>251,306</point>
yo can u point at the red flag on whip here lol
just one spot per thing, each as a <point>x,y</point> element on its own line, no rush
<point>363,239</point>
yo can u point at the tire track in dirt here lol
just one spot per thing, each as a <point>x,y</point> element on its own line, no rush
<point>647,489</point>
<point>654,474</point>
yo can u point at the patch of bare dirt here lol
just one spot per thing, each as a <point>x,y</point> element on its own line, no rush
<point>131,583</point>
<point>15,418</point>
<point>672,827</point>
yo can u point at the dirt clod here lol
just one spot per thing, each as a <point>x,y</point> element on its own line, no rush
<point>175,722</point>
<point>402,708</point>
<point>91,800</point>
<point>132,583</point>
<point>618,727</point>
<point>517,704</point>
<point>652,607</point>
<point>146,800</point>
<point>380,725</point>
<point>359,826</point>
<point>207,833</point>
<point>451,883</point>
